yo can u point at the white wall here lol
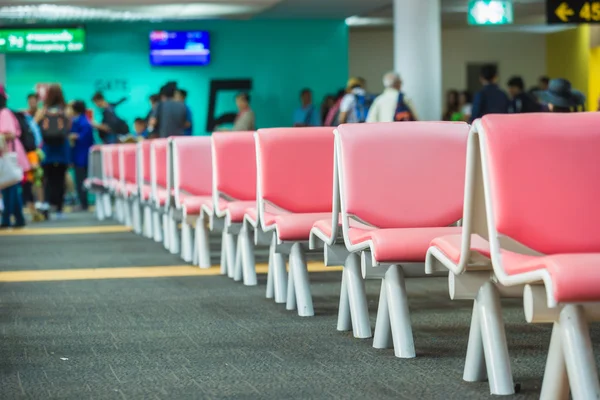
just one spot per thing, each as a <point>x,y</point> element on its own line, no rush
<point>517,53</point>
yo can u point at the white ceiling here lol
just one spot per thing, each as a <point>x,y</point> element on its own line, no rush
<point>454,11</point>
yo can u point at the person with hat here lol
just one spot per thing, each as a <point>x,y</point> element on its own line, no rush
<point>561,97</point>
<point>11,131</point>
<point>353,108</point>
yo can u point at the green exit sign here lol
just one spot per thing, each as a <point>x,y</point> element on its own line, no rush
<point>490,12</point>
<point>51,40</point>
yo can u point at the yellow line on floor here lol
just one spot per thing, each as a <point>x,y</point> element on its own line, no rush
<point>74,230</point>
<point>129,272</point>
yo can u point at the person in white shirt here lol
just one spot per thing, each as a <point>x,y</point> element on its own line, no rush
<point>348,114</point>
<point>384,107</point>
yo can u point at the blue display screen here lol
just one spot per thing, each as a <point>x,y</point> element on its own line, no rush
<point>179,48</point>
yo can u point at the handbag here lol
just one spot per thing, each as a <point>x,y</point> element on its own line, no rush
<point>10,171</point>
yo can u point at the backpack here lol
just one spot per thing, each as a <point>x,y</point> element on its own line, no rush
<point>55,127</point>
<point>403,112</point>
<point>117,125</point>
<point>333,114</point>
<point>27,137</point>
<point>363,104</point>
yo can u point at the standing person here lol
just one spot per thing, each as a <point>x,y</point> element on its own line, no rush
<point>391,105</point>
<point>561,97</point>
<point>543,83</point>
<point>140,128</point>
<point>9,128</point>
<point>326,105</point>
<point>154,100</point>
<point>245,120</point>
<point>181,95</point>
<point>353,108</point>
<point>170,116</point>
<point>452,112</point>
<point>82,139</point>
<point>521,102</point>
<point>111,126</point>
<point>332,118</point>
<point>33,102</point>
<point>491,99</point>
<point>33,176</point>
<point>40,208</point>
<point>465,104</point>
<point>306,114</point>
<point>55,127</point>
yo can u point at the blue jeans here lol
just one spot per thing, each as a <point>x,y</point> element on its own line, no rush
<point>13,205</point>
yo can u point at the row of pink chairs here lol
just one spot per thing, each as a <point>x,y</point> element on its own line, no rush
<point>506,207</point>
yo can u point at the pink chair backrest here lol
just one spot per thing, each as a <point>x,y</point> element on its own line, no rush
<point>160,148</point>
<point>146,170</point>
<point>193,164</point>
<point>129,162</point>
<point>235,164</point>
<point>114,161</point>
<point>106,160</point>
<point>296,168</point>
<point>544,171</point>
<point>403,174</point>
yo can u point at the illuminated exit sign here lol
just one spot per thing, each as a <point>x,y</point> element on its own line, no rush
<point>51,40</point>
<point>490,12</point>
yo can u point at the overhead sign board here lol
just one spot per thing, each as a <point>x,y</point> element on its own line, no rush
<point>572,12</point>
<point>51,40</point>
<point>490,12</point>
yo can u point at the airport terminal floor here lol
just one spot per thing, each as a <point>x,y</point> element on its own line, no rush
<point>90,310</point>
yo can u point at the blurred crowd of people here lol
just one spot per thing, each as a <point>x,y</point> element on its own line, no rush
<point>52,138</point>
<point>554,95</point>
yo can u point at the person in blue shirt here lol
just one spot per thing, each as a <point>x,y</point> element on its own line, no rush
<point>82,139</point>
<point>181,95</point>
<point>491,99</point>
<point>306,114</point>
<point>140,128</point>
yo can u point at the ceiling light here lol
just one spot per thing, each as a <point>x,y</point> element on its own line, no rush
<point>51,12</point>
<point>368,21</point>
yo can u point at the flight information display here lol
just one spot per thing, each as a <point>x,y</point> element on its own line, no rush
<point>168,48</point>
<point>37,40</point>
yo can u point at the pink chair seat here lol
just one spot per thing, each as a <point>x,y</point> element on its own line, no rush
<point>291,227</point>
<point>252,214</point>
<point>162,196</point>
<point>126,189</point>
<point>402,244</point>
<point>451,246</point>
<point>193,204</point>
<point>575,277</point>
<point>237,209</point>
<point>146,191</point>
<point>325,226</point>
<point>92,182</point>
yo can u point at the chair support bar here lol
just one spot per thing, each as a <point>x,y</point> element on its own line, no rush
<point>536,308</point>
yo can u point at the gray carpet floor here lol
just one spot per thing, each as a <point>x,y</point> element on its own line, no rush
<point>211,338</point>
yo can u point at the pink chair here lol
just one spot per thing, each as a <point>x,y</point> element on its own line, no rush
<point>127,189</point>
<point>531,206</point>
<point>234,171</point>
<point>107,180</point>
<point>94,183</point>
<point>192,188</point>
<point>326,235</point>
<point>144,182</point>
<point>294,166</point>
<point>401,185</point>
<point>159,197</point>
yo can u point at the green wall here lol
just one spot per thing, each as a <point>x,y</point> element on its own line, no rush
<point>280,56</point>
